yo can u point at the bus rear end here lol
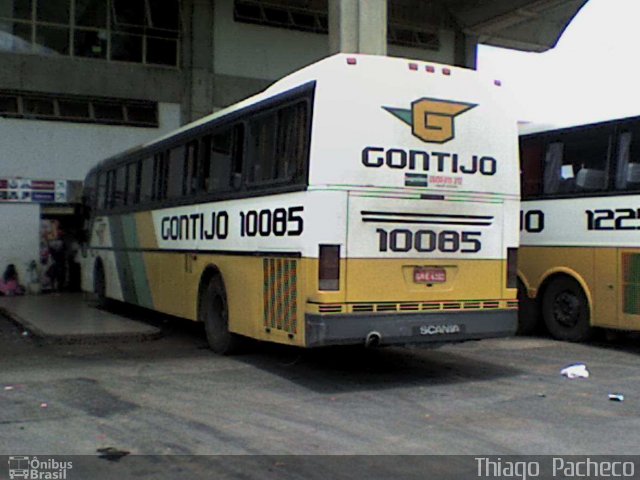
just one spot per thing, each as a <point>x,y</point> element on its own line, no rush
<point>424,157</point>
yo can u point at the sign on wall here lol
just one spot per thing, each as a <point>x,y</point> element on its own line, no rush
<point>24,190</point>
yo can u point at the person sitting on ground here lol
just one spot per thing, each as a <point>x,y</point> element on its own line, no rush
<point>9,283</point>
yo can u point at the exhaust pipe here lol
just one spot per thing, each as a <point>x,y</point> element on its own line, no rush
<point>373,339</point>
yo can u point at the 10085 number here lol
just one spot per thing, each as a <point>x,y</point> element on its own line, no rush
<point>425,241</point>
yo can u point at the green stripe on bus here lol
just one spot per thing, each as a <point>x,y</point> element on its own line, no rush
<point>122,259</point>
<point>136,263</point>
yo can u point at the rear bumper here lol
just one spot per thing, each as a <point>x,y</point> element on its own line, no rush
<point>409,328</point>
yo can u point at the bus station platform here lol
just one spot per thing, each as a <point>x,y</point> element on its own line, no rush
<point>72,318</point>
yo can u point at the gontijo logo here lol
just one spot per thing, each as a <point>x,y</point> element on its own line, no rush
<point>431,120</point>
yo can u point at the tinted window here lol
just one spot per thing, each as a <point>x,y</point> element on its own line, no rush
<point>160,170</point>
<point>146,180</point>
<point>291,148</point>
<point>222,159</point>
<point>120,187</point>
<point>573,162</point>
<point>278,145</point>
<point>132,184</point>
<point>628,158</point>
<point>220,167</point>
<point>263,167</point>
<point>111,188</point>
<point>102,190</point>
<point>176,172</point>
<point>191,168</point>
<point>532,161</point>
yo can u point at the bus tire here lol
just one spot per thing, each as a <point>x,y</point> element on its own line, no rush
<point>214,313</point>
<point>565,310</point>
<point>528,312</point>
<point>100,285</point>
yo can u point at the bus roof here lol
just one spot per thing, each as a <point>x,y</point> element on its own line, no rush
<point>327,67</point>
<point>532,128</point>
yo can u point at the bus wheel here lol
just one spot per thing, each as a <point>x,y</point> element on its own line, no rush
<point>100,285</point>
<point>213,312</point>
<point>566,311</point>
<point>528,312</point>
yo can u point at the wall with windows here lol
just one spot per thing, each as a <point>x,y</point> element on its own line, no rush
<point>141,31</point>
<point>47,149</point>
<point>252,42</point>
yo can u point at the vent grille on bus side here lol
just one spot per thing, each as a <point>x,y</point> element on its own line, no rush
<point>280,294</point>
<point>631,283</point>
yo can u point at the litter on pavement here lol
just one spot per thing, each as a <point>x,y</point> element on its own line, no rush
<point>577,370</point>
<point>616,397</point>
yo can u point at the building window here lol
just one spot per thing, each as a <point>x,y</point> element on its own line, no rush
<point>282,15</point>
<point>110,111</point>
<point>402,29</point>
<point>140,31</point>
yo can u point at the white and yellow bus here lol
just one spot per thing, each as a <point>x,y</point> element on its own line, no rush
<point>580,250</point>
<point>361,199</point>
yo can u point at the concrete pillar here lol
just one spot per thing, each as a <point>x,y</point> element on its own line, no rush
<point>358,26</point>
<point>197,51</point>
<point>466,50</point>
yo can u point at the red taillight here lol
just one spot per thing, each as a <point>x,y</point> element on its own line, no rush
<point>351,61</point>
<point>329,268</point>
<point>446,71</point>
<point>512,267</point>
<point>430,68</point>
<point>413,66</point>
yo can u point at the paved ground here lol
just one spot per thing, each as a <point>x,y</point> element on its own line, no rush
<point>173,396</point>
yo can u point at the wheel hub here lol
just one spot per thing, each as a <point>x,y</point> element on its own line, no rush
<point>566,309</point>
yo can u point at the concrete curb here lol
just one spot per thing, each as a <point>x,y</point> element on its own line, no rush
<point>74,339</point>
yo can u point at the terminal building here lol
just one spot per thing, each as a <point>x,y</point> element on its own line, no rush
<point>82,80</point>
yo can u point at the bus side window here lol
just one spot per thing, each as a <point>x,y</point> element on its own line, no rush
<point>292,141</point>
<point>220,161</point>
<point>628,159</point>
<point>204,164</point>
<point>120,187</point>
<point>146,180</point>
<point>237,156</point>
<point>111,189</point>
<point>160,171</point>
<point>531,157</point>
<point>175,173</point>
<point>191,168</point>
<point>102,190</point>
<point>555,175</point>
<point>278,145</point>
<point>587,155</point>
<point>262,160</point>
<point>132,184</point>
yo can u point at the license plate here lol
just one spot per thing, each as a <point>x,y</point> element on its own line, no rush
<point>429,275</point>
